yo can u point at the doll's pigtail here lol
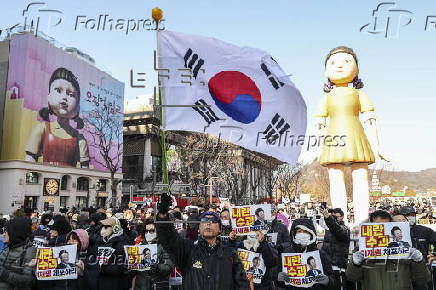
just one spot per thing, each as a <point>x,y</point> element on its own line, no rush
<point>45,113</point>
<point>328,86</point>
<point>357,83</point>
<point>79,122</point>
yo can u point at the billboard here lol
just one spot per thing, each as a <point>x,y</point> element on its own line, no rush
<point>60,109</point>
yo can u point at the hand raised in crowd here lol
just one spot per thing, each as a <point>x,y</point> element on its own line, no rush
<point>415,255</point>
<point>430,259</point>
<point>260,236</point>
<point>325,213</point>
<point>232,235</point>
<point>322,279</point>
<point>32,263</point>
<point>80,265</point>
<point>164,204</point>
<point>358,258</point>
<point>283,277</point>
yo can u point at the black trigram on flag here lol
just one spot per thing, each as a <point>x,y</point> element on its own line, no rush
<point>276,129</point>
<point>206,112</point>
<point>193,62</point>
<point>274,81</point>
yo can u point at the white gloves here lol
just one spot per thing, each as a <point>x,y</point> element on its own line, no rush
<point>415,255</point>
<point>322,279</point>
<point>358,258</point>
<point>283,277</point>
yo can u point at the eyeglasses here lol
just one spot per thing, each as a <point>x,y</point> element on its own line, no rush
<point>149,231</point>
<point>207,220</point>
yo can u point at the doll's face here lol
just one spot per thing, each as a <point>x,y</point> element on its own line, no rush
<point>63,99</point>
<point>341,68</point>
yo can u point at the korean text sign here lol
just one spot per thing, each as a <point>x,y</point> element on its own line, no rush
<point>302,268</point>
<point>385,240</point>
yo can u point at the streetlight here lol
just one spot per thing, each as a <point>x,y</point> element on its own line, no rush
<point>210,187</point>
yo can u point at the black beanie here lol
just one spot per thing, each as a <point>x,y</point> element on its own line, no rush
<point>61,225</point>
<point>19,229</point>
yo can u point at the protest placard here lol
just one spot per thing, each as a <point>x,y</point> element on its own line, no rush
<point>302,268</point>
<point>56,263</point>
<point>104,254</point>
<point>253,264</point>
<point>247,219</point>
<point>385,240</point>
<point>141,257</point>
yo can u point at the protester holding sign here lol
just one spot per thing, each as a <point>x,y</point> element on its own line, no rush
<point>247,219</point>
<point>336,244</point>
<point>384,274</point>
<point>206,263</point>
<point>158,273</point>
<point>109,251</point>
<point>303,240</point>
<point>16,270</point>
<point>78,237</point>
<point>258,244</point>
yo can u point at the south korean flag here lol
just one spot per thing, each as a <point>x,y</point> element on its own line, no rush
<point>238,93</point>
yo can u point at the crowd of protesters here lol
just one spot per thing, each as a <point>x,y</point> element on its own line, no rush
<point>200,243</point>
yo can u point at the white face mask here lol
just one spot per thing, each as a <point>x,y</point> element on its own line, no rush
<point>412,220</point>
<point>106,232</point>
<point>150,236</point>
<point>302,239</point>
<point>225,222</point>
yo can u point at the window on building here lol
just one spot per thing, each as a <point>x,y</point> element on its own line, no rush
<point>80,202</point>
<point>63,200</point>
<point>32,178</point>
<point>100,185</point>
<point>82,184</point>
<point>64,182</point>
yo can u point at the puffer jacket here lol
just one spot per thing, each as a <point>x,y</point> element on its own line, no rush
<point>159,276</point>
<point>203,267</point>
<point>296,248</point>
<point>113,274</point>
<point>19,276</point>
<point>388,275</point>
<point>337,242</point>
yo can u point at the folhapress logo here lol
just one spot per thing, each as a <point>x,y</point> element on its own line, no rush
<point>106,23</point>
<point>388,20</point>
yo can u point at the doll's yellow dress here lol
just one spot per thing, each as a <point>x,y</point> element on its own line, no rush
<point>342,106</point>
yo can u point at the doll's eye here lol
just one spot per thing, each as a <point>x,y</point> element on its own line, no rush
<point>347,60</point>
<point>59,90</point>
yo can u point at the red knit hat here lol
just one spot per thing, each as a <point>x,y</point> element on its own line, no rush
<point>83,238</point>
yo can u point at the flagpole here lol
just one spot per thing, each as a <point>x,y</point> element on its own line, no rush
<point>157,16</point>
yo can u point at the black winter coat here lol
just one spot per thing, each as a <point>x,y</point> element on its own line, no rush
<point>113,274</point>
<point>422,238</point>
<point>325,260</point>
<point>337,242</point>
<point>203,267</point>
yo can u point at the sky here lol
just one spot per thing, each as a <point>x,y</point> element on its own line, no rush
<point>398,68</point>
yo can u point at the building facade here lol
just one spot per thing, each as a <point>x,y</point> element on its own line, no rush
<point>61,121</point>
<point>44,186</point>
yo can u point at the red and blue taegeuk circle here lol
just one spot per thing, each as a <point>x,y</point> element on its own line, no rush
<point>236,95</point>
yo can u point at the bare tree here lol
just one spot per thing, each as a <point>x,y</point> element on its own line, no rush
<point>105,126</point>
<point>287,179</point>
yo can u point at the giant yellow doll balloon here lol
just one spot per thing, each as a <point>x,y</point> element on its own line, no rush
<point>338,115</point>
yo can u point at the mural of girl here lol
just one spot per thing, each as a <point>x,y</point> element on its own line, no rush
<point>55,139</point>
<point>342,106</point>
